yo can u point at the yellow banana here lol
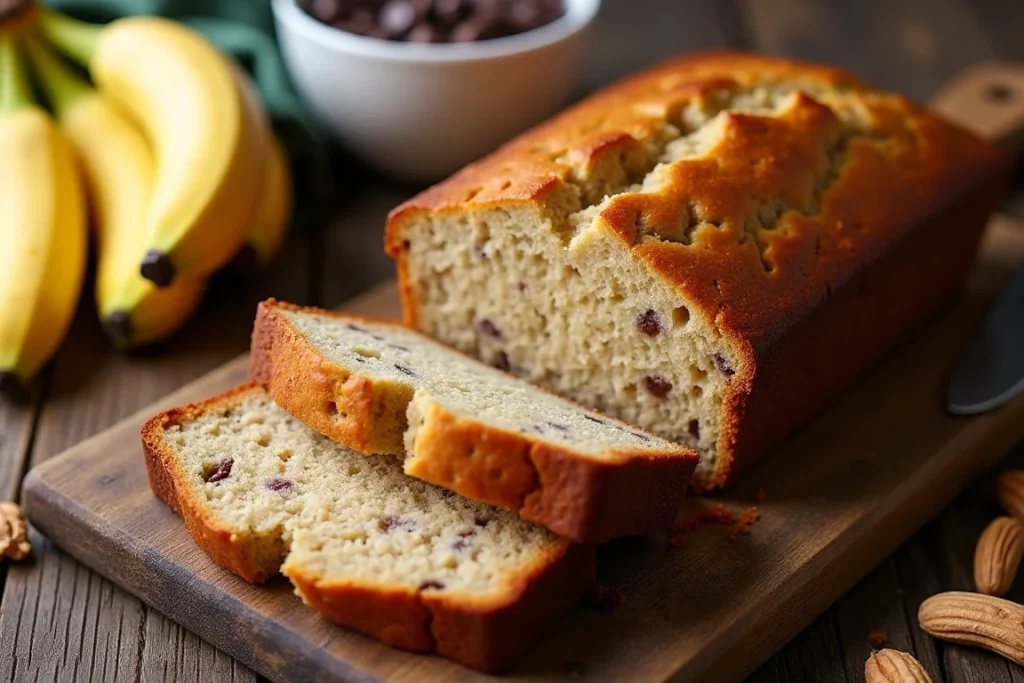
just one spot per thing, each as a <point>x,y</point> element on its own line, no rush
<point>207,145</point>
<point>272,207</point>
<point>118,172</point>
<point>42,228</point>
<point>273,212</point>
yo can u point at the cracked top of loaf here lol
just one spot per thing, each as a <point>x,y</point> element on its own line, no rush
<point>755,185</point>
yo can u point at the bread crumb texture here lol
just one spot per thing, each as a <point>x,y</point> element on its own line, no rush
<point>274,484</point>
<point>436,375</point>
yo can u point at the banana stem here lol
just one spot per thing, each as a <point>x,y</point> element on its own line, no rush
<point>15,91</point>
<point>77,39</point>
<point>63,87</point>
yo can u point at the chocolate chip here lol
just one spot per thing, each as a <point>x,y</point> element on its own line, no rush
<point>722,365</point>
<point>355,328</point>
<point>487,328</point>
<point>648,323</point>
<point>447,493</point>
<point>327,11</point>
<point>694,429</point>
<point>480,251</point>
<point>642,437</point>
<point>594,419</point>
<point>558,427</point>
<point>390,523</point>
<point>501,361</point>
<point>432,21</point>
<point>157,268</point>
<point>467,532</point>
<point>361,22</point>
<point>396,18</point>
<point>657,386</point>
<point>468,31</point>
<point>218,472</point>
<point>524,14</point>
<point>460,544</point>
<point>481,521</point>
<point>405,370</point>
<point>451,12</point>
<point>521,286</point>
<point>359,359</point>
<point>280,484</point>
<point>399,347</point>
<point>406,245</point>
<point>431,584</point>
<point>425,33</point>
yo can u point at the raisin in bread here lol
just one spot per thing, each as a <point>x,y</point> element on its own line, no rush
<point>368,547</point>
<point>383,388</point>
<point>710,249</point>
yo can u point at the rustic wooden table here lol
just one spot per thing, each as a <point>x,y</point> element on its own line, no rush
<point>60,621</point>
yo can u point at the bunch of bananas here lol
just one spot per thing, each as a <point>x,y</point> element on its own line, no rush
<point>170,147</point>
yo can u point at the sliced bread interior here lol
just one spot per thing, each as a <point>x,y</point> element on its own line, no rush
<point>382,388</point>
<point>367,546</point>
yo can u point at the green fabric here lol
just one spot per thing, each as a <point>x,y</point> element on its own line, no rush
<point>244,29</point>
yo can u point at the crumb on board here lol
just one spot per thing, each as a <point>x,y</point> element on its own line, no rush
<point>744,522</point>
<point>718,515</point>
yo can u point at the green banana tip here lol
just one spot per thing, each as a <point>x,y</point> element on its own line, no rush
<point>15,91</point>
<point>78,40</point>
<point>62,85</point>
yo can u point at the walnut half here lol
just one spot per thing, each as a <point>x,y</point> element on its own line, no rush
<point>13,534</point>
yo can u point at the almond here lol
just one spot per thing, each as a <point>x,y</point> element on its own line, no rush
<point>974,619</point>
<point>998,556</point>
<point>1010,493</point>
<point>893,666</point>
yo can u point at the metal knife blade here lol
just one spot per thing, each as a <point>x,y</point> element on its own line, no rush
<point>991,370</point>
<point>988,98</point>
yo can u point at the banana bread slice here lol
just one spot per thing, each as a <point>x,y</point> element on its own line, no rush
<point>382,388</point>
<point>402,560</point>
<point>711,249</point>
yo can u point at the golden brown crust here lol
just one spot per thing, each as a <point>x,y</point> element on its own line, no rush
<point>348,408</point>
<point>854,170</point>
<point>169,483</point>
<point>580,498</point>
<point>488,635</point>
<point>577,496</point>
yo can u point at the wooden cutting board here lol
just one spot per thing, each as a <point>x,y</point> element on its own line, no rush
<point>838,498</point>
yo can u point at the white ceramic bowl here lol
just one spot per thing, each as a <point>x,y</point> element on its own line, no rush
<point>420,112</point>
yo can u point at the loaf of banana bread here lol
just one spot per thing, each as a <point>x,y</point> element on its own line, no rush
<point>710,250</point>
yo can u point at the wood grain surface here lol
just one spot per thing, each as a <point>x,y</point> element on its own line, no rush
<point>840,496</point>
<point>61,622</point>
